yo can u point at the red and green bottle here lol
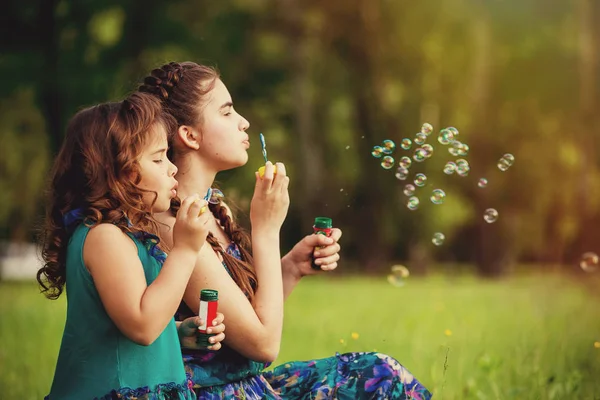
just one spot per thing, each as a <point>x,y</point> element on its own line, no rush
<point>209,301</point>
<point>322,226</point>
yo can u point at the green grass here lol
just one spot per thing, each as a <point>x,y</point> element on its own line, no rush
<point>523,338</point>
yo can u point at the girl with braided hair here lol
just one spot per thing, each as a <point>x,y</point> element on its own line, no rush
<point>100,243</point>
<point>252,279</point>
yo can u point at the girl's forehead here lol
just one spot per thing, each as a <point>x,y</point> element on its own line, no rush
<point>218,94</point>
<point>157,135</point>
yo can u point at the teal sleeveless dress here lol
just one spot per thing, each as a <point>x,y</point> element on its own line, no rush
<point>226,374</point>
<point>96,361</point>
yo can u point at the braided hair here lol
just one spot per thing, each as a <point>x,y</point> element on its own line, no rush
<point>182,88</point>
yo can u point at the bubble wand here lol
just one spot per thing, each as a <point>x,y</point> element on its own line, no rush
<point>264,146</point>
<point>261,170</point>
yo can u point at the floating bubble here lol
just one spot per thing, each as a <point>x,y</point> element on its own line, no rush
<point>420,179</point>
<point>490,215</point>
<point>406,143</point>
<point>420,155</point>
<point>377,151</point>
<point>453,130</point>
<point>342,189</point>
<point>463,170</point>
<point>420,138</point>
<point>482,183</point>
<point>453,148</point>
<point>509,157</point>
<point>450,168</point>
<point>427,129</point>
<point>347,147</point>
<point>409,189</point>
<point>427,150</point>
<point>437,196</point>
<point>446,136</point>
<point>462,167</point>
<point>458,148</point>
<point>398,275</point>
<point>505,162</point>
<point>401,173</point>
<point>438,238</point>
<point>389,146</point>
<point>405,162</point>
<point>413,203</point>
<point>589,262</point>
<point>387,162</point>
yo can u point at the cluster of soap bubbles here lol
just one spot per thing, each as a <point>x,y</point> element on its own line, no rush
<point>384,152</point>
<point>421,151</point>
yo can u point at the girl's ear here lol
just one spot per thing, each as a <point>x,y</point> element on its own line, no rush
<point>189,136</point>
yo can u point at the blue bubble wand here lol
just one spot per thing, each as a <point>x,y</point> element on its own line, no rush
<point>264,146</point>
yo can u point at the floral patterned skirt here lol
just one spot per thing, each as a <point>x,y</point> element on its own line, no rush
<point>348,376</point>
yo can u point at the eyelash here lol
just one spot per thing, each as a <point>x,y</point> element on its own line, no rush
<point>158,161</point>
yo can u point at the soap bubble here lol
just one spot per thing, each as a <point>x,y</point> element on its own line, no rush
<point>453,130</point>
<point>405,162</point>
<point>377,151</point>
<point>589,262</point>
<point>420,155</point>
<point>450,168</point>
<point>482,183</point>
<point>505,162</point>
<point>387,162</point>
<point>389,146</point>
<point>406,143</point>
<point>446,136</point>
<point>437,196</point>
<point>398,275</point>
<point>420,138</point>
<point>438,238</point>
<point>490,215</point>
<point>426,129</point>
<point>401,173</point>
<point>409,189</point>
<point>458,148</point>
<point>420,179</point>
<point>462,167</point>
<point>427,150</point>
<point>413,203</point>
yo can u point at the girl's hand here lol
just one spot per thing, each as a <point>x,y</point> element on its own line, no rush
<point>191,225</point>
<point>271,199</point>
<point>299,260</point>
<point>188,332</point>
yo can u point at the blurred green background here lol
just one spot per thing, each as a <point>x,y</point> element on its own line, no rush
<point>325,81</point>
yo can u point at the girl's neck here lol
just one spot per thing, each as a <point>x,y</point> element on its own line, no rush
<point>193,176</point>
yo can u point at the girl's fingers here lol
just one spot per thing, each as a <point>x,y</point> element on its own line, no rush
<point>196,206</point>
<point>216,329</point>
<point>323,261</point>
<point>329,267</point>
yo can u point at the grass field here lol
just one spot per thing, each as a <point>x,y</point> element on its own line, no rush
<point>523,338</point>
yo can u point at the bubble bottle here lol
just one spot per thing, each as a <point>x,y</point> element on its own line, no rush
<point>209,301</point>
<point>322,226</point>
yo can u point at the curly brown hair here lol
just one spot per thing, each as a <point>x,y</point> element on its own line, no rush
<point>183,88</point>
<point>97,172</point>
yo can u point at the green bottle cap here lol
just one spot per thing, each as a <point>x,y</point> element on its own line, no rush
<point>323,222</point>
<point>209,295</point>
